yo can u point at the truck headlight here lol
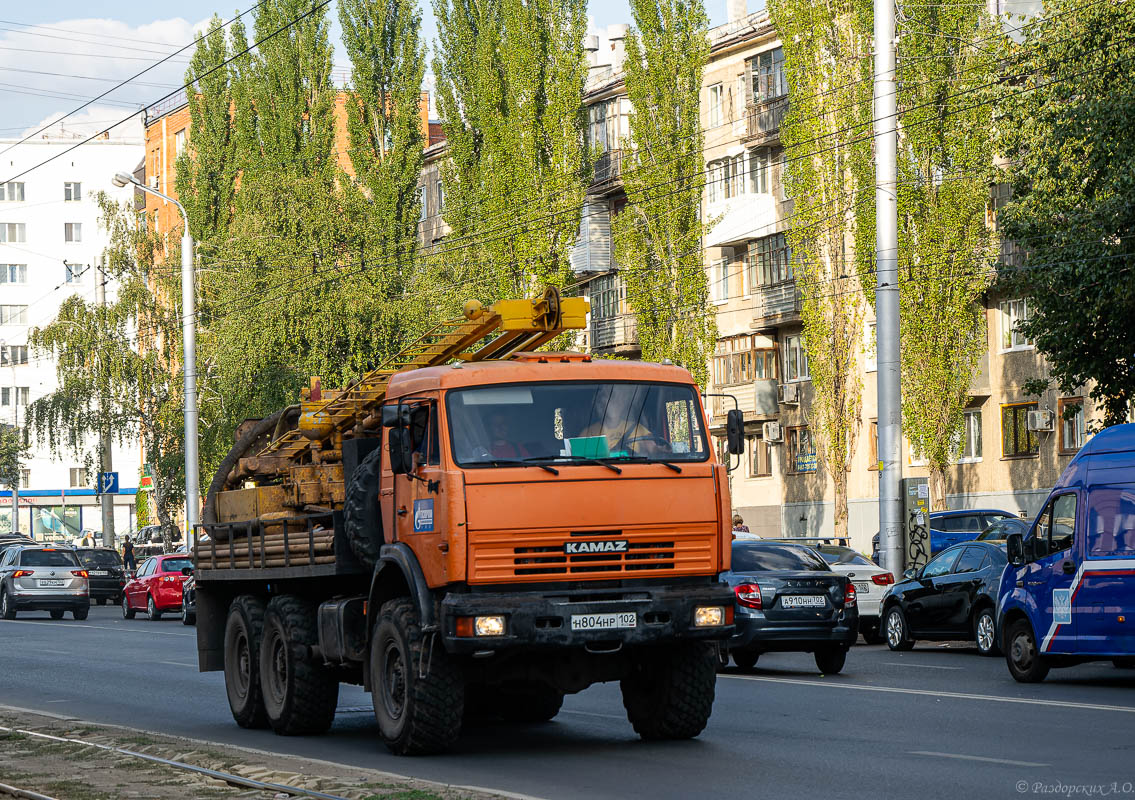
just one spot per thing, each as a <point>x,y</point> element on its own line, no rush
<point>489,626</point>
<point>709,616</point>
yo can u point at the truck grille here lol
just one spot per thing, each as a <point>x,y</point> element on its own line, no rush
<point>553,561</point>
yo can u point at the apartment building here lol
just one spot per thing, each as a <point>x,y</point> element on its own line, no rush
<point>51,244</point>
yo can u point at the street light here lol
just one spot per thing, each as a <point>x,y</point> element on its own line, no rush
<point>189,357</point>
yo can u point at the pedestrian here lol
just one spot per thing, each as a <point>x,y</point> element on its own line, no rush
<point>739,525</point>
<point>128,555</point>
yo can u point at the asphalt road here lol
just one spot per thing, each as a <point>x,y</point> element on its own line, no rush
<point>939,721</point>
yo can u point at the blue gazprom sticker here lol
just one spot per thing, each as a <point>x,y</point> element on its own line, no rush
<point>423,515</point>
<point>1062,606</point>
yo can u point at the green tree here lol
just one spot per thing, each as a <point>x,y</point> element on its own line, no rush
<point>13,452</point>
<point>827,57</point>
<point>659,233</point>
<point>116,363</point>
<point>1070,145</point>
<point>510,76</point>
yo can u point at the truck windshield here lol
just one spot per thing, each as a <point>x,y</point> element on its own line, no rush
<point>575,423</point>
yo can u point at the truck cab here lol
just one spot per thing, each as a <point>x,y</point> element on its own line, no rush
<point>1068,593</point>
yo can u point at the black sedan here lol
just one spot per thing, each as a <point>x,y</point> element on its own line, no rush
<point>108,577</point>
<point>954,597</point>
<point>788,600</point>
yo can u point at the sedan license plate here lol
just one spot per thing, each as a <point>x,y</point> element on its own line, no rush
<point>98,572</point>
<point>604,622</point>
<point>802,601</point>
<point>860,586</point>
<point>50,583</point>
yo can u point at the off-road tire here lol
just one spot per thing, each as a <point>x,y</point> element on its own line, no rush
<point>896,630</point>
<point>57,613</point>
<point>535,702</point>
<point>152,613</point>
<point>416,716</point>
<point>669,693</point>
<point>127,611</point>
<point>830,660</point>
<point>1022,655</point>
<point>361,517</point>
<point>81,613</point>
<point>244,628</point>
<point>985,632</point>
<point>745,659</point>
<point>299,694</point>
<point>7,607</point>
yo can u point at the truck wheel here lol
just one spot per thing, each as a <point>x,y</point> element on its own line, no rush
<point>534,702</point>
<point>830,660</point>
<point>415,715</point>
<point>745,659</point>
<point>361,519</point>
<point>1025,662</point>
<point>299,695</point>
<point>243,630</point>
<point>669,694</point>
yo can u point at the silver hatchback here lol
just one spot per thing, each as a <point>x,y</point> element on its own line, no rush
<point>37,578</point>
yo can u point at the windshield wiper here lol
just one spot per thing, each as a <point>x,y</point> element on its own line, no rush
<point>645,460</point>
<point>512,462</point>
<point>574,461</point>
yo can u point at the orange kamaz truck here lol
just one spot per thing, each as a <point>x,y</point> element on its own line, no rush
<point>476,528</point>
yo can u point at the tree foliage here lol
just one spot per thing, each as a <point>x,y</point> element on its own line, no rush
<point>510,76</point>
<point>1070,143</point>
<point>659,233</point>
<point>13,451</point>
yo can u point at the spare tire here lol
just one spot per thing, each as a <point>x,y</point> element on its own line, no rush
<point>361,517</point>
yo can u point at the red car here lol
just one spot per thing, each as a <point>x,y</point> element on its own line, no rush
<point>156,586</point>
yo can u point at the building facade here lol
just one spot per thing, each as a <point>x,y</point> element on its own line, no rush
<point>51,245</point>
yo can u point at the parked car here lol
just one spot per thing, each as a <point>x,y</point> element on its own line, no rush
<point>189,601</point>
<point>948,528</point>
<point>37,578</point>
<point>107,575</point>
<point>1068,595</point>
<point>953,597</point>
<point>870,581</point>
<point>156,587</point>
<point>999,531</point>
<point>12,540</point>
<point>787,599</point>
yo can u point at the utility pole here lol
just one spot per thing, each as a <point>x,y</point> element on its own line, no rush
<point>105,464</point>
<point>887,289</point>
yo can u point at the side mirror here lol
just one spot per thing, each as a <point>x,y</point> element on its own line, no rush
<point>395,416</point>
<point>401,454</point>
<point>735,431</point>
<point>911,573</point>
<point>1015,549</point>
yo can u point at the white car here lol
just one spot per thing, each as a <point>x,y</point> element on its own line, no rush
<point>871,583</point>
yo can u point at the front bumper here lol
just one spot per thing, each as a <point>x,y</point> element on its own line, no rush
<point>754,630</point>
<point>542,620</point>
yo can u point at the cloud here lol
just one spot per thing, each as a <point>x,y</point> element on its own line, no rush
<point>90,120</point>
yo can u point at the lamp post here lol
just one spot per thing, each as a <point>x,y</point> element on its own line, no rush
<point>189,357</point>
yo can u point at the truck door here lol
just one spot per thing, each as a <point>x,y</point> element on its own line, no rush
<point>418,505</point>
<point>1105,598</point>
<point>1048,577</point>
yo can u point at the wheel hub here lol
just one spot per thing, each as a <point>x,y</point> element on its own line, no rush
<point>243,665</point>
<point>394,680</point>
<point>894,630</point>
<point>278,677</point>
<point>1022,651</point>
<point>985,632</point>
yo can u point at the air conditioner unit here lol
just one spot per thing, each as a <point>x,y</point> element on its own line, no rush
<point>153,181</point>
<point>772,432</point>
<point>788,393</point>
<point>1043,420</point>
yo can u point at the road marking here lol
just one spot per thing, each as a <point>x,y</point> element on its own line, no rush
<point>920,666</point>
<point>178,664</point>
<point>594,714</point>
<point>56,701</point>
<point>986,759</point>
<point>928,693</point>
<point>53,652</point>
<point>93,627</point>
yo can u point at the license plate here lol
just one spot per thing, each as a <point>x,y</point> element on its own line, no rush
<point>50,583</point>
<point>604,622</point>
<point>802,601</point>
<point>862,586</point>
<point>98,572</point>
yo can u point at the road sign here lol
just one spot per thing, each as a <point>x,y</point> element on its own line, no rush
<point>107,483</point>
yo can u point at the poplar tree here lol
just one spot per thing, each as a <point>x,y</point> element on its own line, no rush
<point>827,59</point>
<point>658,235</point>
<point>510,77</point>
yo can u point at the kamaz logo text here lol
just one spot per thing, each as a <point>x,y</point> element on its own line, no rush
<point>610,546</point>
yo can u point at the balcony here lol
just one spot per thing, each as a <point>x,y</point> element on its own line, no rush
<point>762,121</point>
<point>614,333</point>
<point>608,167</point>
<point>777,300</point>
<point>756,400</point>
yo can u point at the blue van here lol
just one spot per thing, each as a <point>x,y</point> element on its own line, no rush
<point>1068,593</point>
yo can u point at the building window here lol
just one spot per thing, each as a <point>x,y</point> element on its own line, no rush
<point>13,273</point>
<point>605,297</point>
<point>440,190</point>
<point>72,231</point>
<point>870,348</point>
<point>801,451</point>
<point>1013,313</point>
<point>969,443</point>
<point>422,204</point>
<point>771,260</point>
<point>610,124</point>
<point>12,192</point>
<point>13,315</point>
<point>13,232</point>
<point>13,354</point>
<point>794,359</point>
<point>1016,438</point>
<point>14,394</point>
<point>873,445</point>
<point>1072,431</point>
<point>73,273</point>
<point>179,142</point>
<point>767,73</point>
<point>760,170</point>
<point>721,280</point>
<point>726,178</point>
<point>78,477</point>
<point>737,360</point>
<point>760,457</point>
<point>25,479</point>
<point>715,94</point>
<point>72,192</point>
